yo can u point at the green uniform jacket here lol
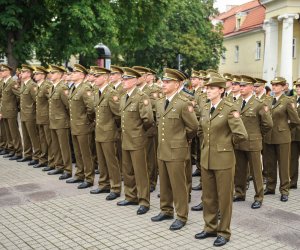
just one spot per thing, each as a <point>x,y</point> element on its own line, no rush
<point>27,101</point>
<point>176,125</point>
<point>42,104</point>
<point>284,115</point>
<point>58,106</point>
<point>10,99</point>
<point>82,110</point>
<point>136,118</point>
<point>257,120</point>
<point>107,108</point>
<point>296,130</point>
<point>220,131</point>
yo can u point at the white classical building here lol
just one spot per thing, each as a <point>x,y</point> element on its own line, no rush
<point>262,39</point>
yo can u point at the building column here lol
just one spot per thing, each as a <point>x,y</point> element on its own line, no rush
<point>271,49</point>
<point>286,68</point>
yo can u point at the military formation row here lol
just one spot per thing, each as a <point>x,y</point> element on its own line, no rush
<point>120,122</point>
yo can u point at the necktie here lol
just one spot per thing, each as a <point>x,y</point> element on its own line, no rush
<point>127,97</point>
<point>243,104</point>
<point>167,104</point>
<point>298,100</point>
<point>234,98</point>
<point>99,93</point>
<point>212,110</point>
<point>52,89</point>
<point>274,101</point>
<point>226,94</point>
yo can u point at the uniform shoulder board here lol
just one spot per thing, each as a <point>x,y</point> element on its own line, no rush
<point>259,100</point>
<point>183,97</point>
<point>230,104</point>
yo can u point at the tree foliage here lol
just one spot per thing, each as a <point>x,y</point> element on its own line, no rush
<point>138,32</point>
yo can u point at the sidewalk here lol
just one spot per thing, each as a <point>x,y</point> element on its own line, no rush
<point>37,211</point>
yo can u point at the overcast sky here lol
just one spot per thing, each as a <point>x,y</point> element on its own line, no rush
<point>221,4</point>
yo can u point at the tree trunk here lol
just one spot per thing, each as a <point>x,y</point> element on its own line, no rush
<point>11,59</point>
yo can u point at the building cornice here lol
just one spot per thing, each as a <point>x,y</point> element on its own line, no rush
<point>244,33</point>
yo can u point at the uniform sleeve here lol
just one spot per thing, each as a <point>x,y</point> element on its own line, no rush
<point>15,88</point>
<point>146,113</point>
<point>238,130</point>
<point>114,105</point>
<point>266,122</point>
<point>88,99</point>
<point>190,120</point>
<point>33,92</point>
<point>64,96</point>
<point>292,113</point>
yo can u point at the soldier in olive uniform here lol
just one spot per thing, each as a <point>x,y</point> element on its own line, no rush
<point>82,112</point>
<point>136,118</point>
<point>3,140</point>
<point>258,121</point>
<point>177,125</point>
<point>221,126</point>
<point>228,90</point>
<point>42,117</point>
<point>59,123</point>
<point>9,114</point>
<point>295,145</point>
<point>278,140</point>
<point>107,108</point>
<point>150,145</point>
<point>31,140</point>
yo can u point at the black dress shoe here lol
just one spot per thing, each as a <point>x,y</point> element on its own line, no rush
<point>84,185</point>
<point>40,165</point>
<point>9,155</point>
<point>220,241</point>
<point>97,171</point>
<point>100,191</point>
<point>256,204</point>
<point>112,196</point>
<point>293,186</point>
<point>48,168</point>
<point>198,207</point>
<point>33,162</point>
<point>15,157</point>
<point>24,159</point>
<point>152,189</point>
<point>4,152</point>
<point>284,198</point>
<point>142,210</point>
<point>197,188</point>
<point>204,235</point>
<point>177,224</point>
<point>162,217</point>
<point>65,176</point>
<point>56,171</point>
<point>196,173</point>
<point>73,180</point>
<point>236,199</point>
<point>267,192</point>
<point>127,203</point>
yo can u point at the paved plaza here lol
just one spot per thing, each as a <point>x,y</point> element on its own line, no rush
<point>37,211</point>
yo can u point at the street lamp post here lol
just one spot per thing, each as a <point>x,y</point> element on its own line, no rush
<point>104,56</point>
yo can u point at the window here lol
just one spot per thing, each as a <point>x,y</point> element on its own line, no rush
<point>236,54</point>
<point>223,57</point>
<point>294,47</point>
<point>238,23</point>
<point>258,51</point>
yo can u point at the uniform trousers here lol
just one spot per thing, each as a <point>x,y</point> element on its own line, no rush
<point>151,148</point>
<point>242,172</point>
<point>173,188</point>
<point>217,195</point>
<point>61,149</point>
<point>47,156</point>
<point>13,136</point>
<point>278,153</point>
<point>294,167</point>
<point>31,141</point>
<point>110,176</point>
<point>84,161</point>
<point>135,175</point>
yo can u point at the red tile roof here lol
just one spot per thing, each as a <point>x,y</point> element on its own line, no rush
<point>253,20</point>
